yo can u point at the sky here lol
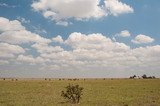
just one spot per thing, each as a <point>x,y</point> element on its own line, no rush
<point>79,38</point>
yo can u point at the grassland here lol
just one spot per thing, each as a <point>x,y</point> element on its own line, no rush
<point>108,92</point>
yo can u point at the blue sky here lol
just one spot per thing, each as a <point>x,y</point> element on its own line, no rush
<point>134,25</point>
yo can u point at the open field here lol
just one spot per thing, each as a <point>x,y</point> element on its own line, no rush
<point>108,92</point>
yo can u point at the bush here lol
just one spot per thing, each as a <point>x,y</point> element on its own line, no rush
<point>150,77</point>
<point>144,76</point>
<point>132,77</point>
<point>73,93</point>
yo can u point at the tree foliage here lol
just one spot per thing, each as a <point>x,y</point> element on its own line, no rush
<point>144,76</point>
<point>73,93</point>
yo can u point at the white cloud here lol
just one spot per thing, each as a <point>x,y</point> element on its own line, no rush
<point>93,41</point>
<point>61,11</point>
<point>23,58</point>
<point>97,52</point>
<point>7,25</point>
<point>116,7</point>
<point>63,23</point>
<point>81,53</point>
<point>13,32</point>
<point>124,33</point>
<point>22,36</point>
<point>9,51</point>
<point>139,39</point>
<point>30,59</point>
<point>57,39</point>
<point>45,48</point>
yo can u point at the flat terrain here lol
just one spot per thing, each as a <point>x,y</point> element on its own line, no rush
<point>97,92</point>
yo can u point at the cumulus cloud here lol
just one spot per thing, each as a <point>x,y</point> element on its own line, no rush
<point>86,53</point>
<point>115,7</point>
<point>94,52</point>
<point>13,32</point>
<point>9,51</point>
<point>93,48</point>
<point>31,60</point>
<point>45,48</point>
<point>63,23</point>
<point>7,25</point>
<point>124,33</point>
<point>61,11</point>
<point>140,39</point>
<point>93,41</point>
<point>57,39</point>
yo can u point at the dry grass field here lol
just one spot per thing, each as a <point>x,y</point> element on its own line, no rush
<point>97,92</point>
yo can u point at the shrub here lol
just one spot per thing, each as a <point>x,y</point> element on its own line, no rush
<point>73,93</point>
<point>144,76</point>
<point>150,77</point>
<point>132,77</point>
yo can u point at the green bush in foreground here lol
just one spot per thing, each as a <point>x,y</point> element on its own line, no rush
<point>73,93</point>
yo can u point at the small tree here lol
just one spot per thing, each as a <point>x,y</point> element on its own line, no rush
<point>144,76</point>
<point>73,93</point>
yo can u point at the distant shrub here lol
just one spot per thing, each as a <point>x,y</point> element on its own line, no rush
<point>144,76</point>
<point>4,79</point>
<point>73,93</point>
<point>150,77</point>
<point>132,77</point>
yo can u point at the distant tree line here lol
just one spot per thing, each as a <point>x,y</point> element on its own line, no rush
<point>144,76</point>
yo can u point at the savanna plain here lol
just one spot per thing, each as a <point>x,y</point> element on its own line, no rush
<point>96,92</point>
